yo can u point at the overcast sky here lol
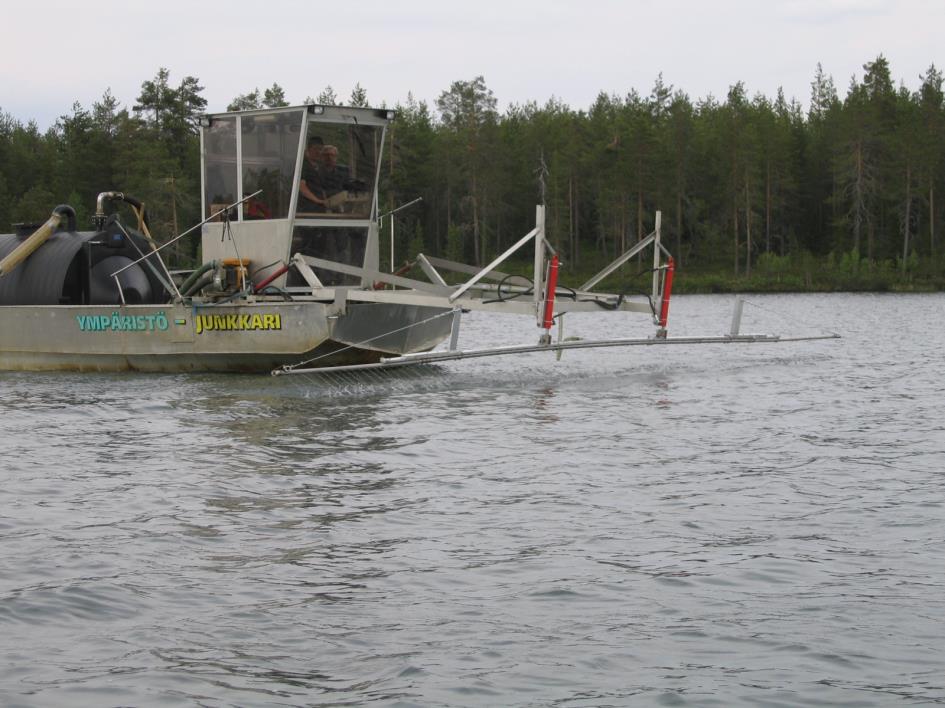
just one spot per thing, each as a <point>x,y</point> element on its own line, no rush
<point>60,51</point>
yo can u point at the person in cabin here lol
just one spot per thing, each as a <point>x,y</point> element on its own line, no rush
<point>310,199</point>
<point>332,178</point>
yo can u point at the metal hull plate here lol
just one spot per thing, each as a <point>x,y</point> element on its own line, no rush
<point>249,337</point>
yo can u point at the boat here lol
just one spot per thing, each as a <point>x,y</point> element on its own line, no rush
<point>290,278</point>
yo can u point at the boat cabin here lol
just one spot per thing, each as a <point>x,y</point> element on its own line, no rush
<point>316,170</point>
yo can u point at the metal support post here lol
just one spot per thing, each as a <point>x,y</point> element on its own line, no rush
<point>340,304</point>
<point>454,330</point>
<point>737,316</point>
<point>308,275</point>
<point>538,285</point>
<point>656,257</point>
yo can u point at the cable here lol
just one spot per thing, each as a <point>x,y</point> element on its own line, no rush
<point>501,298</point>
<point>270,265</point>
<point>275,290</point>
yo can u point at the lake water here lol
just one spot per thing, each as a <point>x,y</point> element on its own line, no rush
<point>724,525</point>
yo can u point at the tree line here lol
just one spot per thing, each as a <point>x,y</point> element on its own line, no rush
<point>744,183</point>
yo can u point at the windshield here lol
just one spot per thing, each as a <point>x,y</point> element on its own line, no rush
<point>219,165</point>
<point>338,171</point>
<point>269,151</point>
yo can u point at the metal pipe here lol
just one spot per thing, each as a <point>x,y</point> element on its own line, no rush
<point>619,261</point>
<point>549,315</point>
<point>440,356</point>
<point>667,292</point>
<point>737,316</point>
<point>192,228</point>
<point>168,283</point>
<point>99,219</point>
<point>454,328</point>
<point>482,273</point>
<point>380,220</point>
<point>539,260</point>
<point>402,206</point>
<point>656,256</point>
<point>38,238</point>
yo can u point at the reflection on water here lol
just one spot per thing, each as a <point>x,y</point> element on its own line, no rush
<point>730,526</point>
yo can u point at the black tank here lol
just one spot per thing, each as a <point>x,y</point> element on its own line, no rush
<point>74,268</point>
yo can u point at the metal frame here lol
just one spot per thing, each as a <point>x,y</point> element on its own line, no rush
<point>203,176</point>
<point>454,355</point>
<point>340,115</point>
<point>239,164</point>
<point>472,293</point>
<point>297,175</point>
<point>181,235</point>
<point>480,289</point>
<point>309,114</point>
<point>534,233</point>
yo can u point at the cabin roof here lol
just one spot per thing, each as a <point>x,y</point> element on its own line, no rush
<point>328,113</point>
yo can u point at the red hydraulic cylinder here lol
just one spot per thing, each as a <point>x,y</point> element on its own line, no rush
<point>268,280</point>
<point>667,291</point>
<point>548,318</point>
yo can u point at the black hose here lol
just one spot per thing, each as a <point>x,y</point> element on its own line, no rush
<point>69,213</point>
<point>604,305</point>
<point>569,292</point>
<point>274,290</point>
<point>512,296</point>
<point>138,205</point>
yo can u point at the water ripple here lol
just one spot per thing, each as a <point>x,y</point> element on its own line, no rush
<point>733,526</point>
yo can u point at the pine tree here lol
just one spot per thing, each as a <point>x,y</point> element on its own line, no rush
<point>274,97</point>
<point>358,96</point>
<point>932,116</point>
<point>246,101</point>
<point>468,111</point>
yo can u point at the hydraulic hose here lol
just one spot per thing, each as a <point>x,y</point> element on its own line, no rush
<point>197,285</point>
<point>275,274</point>
<point>193,277</point>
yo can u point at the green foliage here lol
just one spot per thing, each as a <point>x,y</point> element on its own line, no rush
<point>172,111</point>
<point>417,245</point>
<point>327,97</point>
<point>454,243</point>
<point>35,206</point>
<point>150,153</point>
<point>6,207</point>
<point>849,264</point>
<point>272,97</point>
<point>358,97</point>
<point>246,101</point>
<point>754,192</point>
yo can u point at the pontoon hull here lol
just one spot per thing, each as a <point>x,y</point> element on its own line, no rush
<point>254,337</point>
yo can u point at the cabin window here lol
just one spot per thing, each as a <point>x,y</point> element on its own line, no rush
<point>340,244</point>
<point>219,164</point>
<point>338,171</point>
<point>270,145</point>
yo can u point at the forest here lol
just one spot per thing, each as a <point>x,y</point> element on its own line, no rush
<point>755,192</point>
